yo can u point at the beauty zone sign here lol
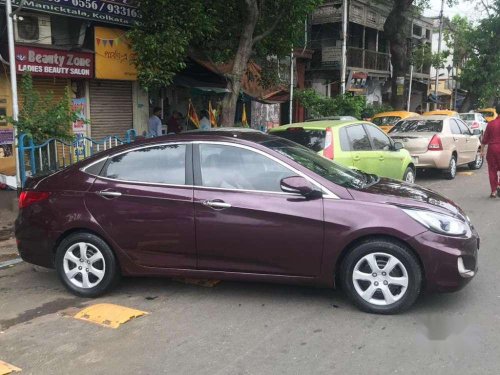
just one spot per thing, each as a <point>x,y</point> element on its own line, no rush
<point>46,62</point>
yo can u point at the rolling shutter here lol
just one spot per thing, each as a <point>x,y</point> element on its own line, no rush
<point>110,108</point>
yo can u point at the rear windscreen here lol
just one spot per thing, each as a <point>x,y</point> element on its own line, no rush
<point>387,120</point>
<point>312,139</point>
<point>487,114</point>
<point>468,117</point>
<point>421,126</point>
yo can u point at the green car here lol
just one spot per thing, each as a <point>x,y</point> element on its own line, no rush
<point>354,144</point>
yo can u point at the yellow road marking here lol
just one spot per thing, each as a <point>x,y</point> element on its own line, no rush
<point>6,368</point>
<point>108,315</point>
<point>465,173</point>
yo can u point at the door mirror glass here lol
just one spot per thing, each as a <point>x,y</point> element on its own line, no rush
<point>398,146</point>
<point>299,185</point>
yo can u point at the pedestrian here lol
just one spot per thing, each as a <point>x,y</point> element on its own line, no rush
<point>155,127</point>
<point>204,121</point>
<point>174,123</point>
<point>491,139</point>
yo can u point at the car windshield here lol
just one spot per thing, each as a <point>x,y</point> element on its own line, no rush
<point>327,169</point>
<point>312,139</point>
<point>420,126</point>
<point>386,120</point>
<point>487,113</point>
<point>468,116</point>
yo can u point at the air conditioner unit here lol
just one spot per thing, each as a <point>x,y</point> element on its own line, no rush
<point>33,28</point>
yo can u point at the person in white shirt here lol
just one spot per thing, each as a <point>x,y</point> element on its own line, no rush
<point>205,121</point>
<point>155,126</point>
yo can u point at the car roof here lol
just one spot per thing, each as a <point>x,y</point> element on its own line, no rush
<point>319,125</point>
<point>395,113</point>
<point>427,118</point>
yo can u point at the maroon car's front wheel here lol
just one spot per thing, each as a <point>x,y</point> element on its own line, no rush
<point>86,265</point>
<point>381,276</point>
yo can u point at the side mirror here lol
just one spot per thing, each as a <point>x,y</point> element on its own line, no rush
<point>398,146</point>
<point>299,185</point>
<point>476,132</point>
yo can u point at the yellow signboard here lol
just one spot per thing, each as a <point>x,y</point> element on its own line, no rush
<point>113,55</point>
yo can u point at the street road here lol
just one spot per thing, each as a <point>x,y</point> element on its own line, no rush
<point>245,328</point>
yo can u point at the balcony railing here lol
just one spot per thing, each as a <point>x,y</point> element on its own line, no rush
<point>367,59</point>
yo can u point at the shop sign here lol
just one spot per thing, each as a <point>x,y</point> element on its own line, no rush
<point>54,63</point>
<point>119,12</point>
<point>6,136</point>
<point>114,55</point>
<point>331,54</point>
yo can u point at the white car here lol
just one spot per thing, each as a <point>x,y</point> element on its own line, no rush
<point>474,120</point>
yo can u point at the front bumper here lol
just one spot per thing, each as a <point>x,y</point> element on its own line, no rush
<point>449,263</point>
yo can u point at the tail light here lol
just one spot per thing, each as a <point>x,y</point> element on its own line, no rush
<point>435,144</point>
<point>475,125</point>
<point>27,198</point>
<point>328,151</point>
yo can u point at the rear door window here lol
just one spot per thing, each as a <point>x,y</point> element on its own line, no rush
<point>312,139</point>
<point>358,138</point>
<point>420,126</point>
<point>380,141</point>
<point>464,129</point>
<point>165,164</point>
<point>455,129</point>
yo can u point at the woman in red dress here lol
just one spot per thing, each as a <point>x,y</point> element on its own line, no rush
<point>491,139</point>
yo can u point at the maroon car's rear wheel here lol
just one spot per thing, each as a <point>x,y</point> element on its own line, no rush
<point>86,265</point>
<point>381,276</point>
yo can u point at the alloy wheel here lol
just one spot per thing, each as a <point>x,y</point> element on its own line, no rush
<point>479,160</point>
<point>380,279</point>
<point>84,265</point>
<point>410,177</point>
<point>453,167</point>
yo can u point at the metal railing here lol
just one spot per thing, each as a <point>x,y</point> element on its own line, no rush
<point>368,59</point>
<point>55,154</point>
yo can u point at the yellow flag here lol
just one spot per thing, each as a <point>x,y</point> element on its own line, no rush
<point>211,113</point>
<point>244,120</point>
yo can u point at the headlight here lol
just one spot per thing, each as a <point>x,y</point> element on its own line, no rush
<point>439,223</point>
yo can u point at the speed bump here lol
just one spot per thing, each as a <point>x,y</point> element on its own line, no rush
<point>6,368</point>
<point>108,315</point>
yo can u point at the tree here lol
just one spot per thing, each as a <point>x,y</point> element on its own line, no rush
<point>221,31</point>
<point>396,30</point>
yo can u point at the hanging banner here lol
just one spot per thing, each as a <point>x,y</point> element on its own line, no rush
<point>45,62</point>
<point>80,130</point>
<point>119,12</point>
<point>114,56</point>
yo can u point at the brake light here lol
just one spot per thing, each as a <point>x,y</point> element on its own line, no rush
<point>27,198</point>
<point>475,125</point>
<point>328,151</point>
<point>435,144</point>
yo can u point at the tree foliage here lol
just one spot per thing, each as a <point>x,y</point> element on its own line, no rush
<point>41,116</point>
<point>220,31</point>
<point>318,105</point>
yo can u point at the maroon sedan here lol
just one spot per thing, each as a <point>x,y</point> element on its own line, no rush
<point>243,206</point>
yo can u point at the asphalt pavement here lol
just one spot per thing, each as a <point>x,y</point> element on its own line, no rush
<point>248,328</point>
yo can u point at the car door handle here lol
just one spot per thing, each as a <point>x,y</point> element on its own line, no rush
<point>109,194</point>
<point>216,204</point>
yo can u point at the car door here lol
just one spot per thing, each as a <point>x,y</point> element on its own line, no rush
<point>459,141</point>
<point>143,200</point>
<point>471,141</point>
<point>389,160</point>
<point>363,156</point>
<point>245,223</point>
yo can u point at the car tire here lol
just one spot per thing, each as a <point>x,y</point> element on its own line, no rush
<point>86,265</point>
<point>451,172</point>
<point>410,175</point>
<point>406,270</point>
<point>478,162</point>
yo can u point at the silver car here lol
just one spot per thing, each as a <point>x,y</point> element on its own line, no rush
<point>439,142</point>
<point>474,120</point>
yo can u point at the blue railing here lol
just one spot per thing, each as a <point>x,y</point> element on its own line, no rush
<point>55,154</point>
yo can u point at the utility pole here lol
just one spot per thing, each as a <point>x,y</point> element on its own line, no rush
<point>343,70</point>
<point>439,51</point>
<point>291,87</point>
<point>13,82</point>
<point>409,88</point>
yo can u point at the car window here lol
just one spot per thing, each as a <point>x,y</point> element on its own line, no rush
<point>487,114</point>
<point>468,116</point>
<point>380,141</point>
<point>230,167</point>
<point>358,139</point>
<point>164,164</point>
<point>455,129</point>
<point>387,120</point>
<point>344,140</point>
<point>313,139</point>
<point>464,129</point>
<point>421,125</point>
